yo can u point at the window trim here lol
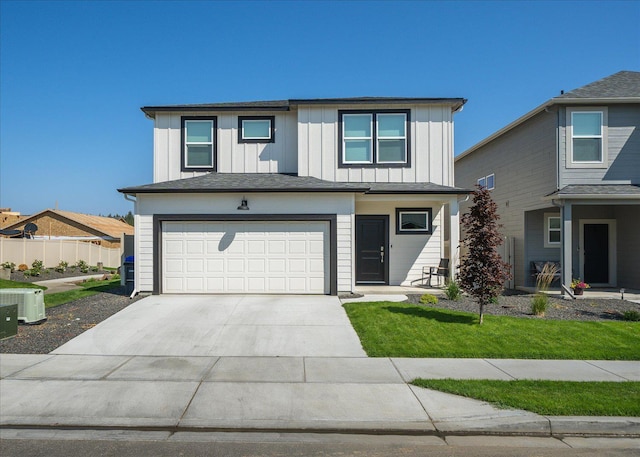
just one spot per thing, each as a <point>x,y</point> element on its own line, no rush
<point>401,231</point>
<point>272,129</point>
<point>374,140</point>
<point>183,143</point>
<point>485,179</point>
<point>603,111</point>
<point>548,230</point>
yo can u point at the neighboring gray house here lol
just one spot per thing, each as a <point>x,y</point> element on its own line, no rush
<point>566,178</point>
<point>296,196</point>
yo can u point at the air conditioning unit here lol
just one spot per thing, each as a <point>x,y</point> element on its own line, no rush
<point>30,303</point>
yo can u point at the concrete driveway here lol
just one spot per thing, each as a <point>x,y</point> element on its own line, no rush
<point>224,325</point>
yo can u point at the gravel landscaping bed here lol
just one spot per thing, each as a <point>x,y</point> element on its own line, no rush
<point>65,322</point>
<point>517,304</point>
<point>48,274</point>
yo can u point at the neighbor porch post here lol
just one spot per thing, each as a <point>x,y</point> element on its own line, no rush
<point>566,242</point>
<point>454,237</point>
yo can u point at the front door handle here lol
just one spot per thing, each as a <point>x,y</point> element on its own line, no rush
<point>381,254</point>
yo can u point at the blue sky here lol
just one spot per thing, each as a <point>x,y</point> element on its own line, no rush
<point>73,75</point>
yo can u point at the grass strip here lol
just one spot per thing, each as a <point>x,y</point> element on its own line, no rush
<point>549,398</point>
<point>7,284</point>
<point>89,288</point>
<point>388,329</point>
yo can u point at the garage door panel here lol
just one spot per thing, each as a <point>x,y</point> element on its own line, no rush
<point>254,257</point>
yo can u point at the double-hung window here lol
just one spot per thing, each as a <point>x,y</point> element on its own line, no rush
<point>198,143</point>
<point>256,129</point>
<point>552,231</point>
<point>374,138</point>
<point>587,137</point>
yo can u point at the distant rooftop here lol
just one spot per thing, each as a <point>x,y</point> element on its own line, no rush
<point>623,84</point>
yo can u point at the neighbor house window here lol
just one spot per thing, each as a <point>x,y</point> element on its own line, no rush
<point>198,143</point>
<point>374,138</point>
<point>413,220</point>
<point>256,129</point>
<point>552,231</point>
<point>587,131</point>
<point>488,182</point>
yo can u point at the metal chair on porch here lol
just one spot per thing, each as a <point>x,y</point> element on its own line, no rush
<point>442,270</point>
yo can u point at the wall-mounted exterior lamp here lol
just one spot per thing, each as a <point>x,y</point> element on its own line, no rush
<point>243,204</point>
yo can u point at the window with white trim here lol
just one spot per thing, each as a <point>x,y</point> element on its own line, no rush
<point>488,182</point>
<point>413,221</point>
<point>198,143</point>
<point>586,144</point>
<point>374,138</point>
<point>256,129</point>
<point>552,230</point>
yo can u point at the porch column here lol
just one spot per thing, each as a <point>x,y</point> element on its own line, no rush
<point>566,243</point>
<point>454,237</point>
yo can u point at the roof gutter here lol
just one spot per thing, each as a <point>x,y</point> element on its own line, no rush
<point>555,196</point>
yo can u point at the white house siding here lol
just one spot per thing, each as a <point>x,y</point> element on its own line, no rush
<point>623,146</point>
<point>232,157</point>
<point>407,253</point>
<point>524,164</point>
<point>260,203</point>
<point>431,150</point>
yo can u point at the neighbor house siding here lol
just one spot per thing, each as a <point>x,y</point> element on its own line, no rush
<point>260,203</point>
<point>623,150</point>
<point>431,146</point>
<point>524,165</point>
<point>628,245</point>
<point>232,157</point>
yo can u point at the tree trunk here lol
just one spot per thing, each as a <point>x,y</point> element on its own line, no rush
<point>481,312</point>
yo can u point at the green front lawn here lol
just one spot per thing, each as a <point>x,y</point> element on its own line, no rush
<point>388,329</point>
<point>89,288</point>
<point>551,398</point>
<point>7,284</point>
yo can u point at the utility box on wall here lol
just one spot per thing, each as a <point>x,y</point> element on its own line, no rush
<point>8,321</point>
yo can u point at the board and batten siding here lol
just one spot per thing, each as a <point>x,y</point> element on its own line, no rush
<point>523,162</point>
<point>232,157</point>
<point>431,140</point>
<point>260,203</point>
<point>623,149</point>
<point>408,253</point>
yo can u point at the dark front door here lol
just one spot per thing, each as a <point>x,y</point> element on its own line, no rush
<point>371,249</point>
<point>596,253</point>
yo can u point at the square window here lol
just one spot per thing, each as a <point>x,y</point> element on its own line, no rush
<point>413,220</point>
<point>198,143</point>
<point>256,129</point>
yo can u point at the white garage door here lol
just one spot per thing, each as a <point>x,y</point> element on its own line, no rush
<point>245,257</point>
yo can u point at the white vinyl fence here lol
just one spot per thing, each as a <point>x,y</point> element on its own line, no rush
<point>52,252</point>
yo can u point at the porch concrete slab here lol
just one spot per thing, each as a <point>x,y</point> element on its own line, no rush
<point>143,368</point>
<point>578,442</point>
<point>278,405</point>
<point>395,290</point>
<point>288,341</point>
<point>411,369</point>
<point>506,441</point>
<point>451,413</point>
<point>72,367</point>
<point>554,370</point>
<point>258,369</point>
<point>350,370</point>
<point>588,425</point>
<point>93,403</point>
<point>627,369</point>
<point>376,297</point>
<point>13,363</point>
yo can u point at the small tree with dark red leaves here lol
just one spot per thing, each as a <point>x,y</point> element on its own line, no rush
<point>482,272</point>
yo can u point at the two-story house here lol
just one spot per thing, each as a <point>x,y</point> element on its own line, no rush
<point>296,196</point>
<point>566,178</point>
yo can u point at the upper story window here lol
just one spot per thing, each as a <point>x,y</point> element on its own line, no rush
<point>587,137</point>
<point>198,143</point>
<point>488,182</point>
<point>256,129</point>
<point>374,138</point>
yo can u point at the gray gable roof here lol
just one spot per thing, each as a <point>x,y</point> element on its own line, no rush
<point>623,84</point>
<point>276,182</point>
<point>598,191</point>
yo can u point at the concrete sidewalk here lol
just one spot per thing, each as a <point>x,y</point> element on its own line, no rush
<point>358,394</point>
<point>64,284</point>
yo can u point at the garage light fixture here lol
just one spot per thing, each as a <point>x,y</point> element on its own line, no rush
<point>243,204</point>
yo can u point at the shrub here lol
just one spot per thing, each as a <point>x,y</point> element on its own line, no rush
<point>546,276</point>
<point>452,291</point>
<point>36,267</point>
<point>23,267</point>
<point>494,300</point>
<point>539,304</point>
<point>115,276</point>
<point>94,269</point>
<point>83,266</point>
<point>10,265</point>
<point>62,266</point>
<point>631,315</point>
<point>428,299</point>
